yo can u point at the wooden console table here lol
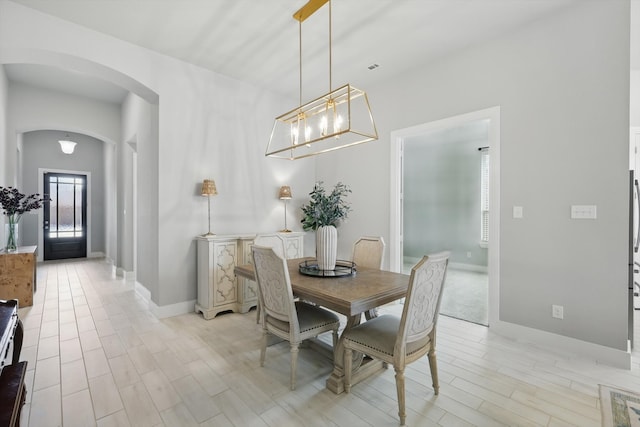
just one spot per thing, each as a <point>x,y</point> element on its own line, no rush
<point>18,275</point>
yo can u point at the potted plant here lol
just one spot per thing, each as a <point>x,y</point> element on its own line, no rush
<point>323,214</point>
<point>14,203</point>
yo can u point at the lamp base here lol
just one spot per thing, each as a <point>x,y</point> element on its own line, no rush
<point>208,234</point>
<point>286,230</point>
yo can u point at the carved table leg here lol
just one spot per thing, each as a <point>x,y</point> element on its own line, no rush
<point>361,368</point>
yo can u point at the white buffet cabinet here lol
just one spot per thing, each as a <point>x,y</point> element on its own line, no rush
<point>218,287</point>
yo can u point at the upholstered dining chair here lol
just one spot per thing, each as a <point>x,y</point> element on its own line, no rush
<point>400,341</point>
<point>294,321</point>
<point>277,243</point>
<point>368,252</point>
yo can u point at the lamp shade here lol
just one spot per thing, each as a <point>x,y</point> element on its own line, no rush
<point>67,146</point>
<point>209,188</point>
<point>284,193</point>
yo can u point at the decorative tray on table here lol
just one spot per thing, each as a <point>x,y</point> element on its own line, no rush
<point>342,269</point>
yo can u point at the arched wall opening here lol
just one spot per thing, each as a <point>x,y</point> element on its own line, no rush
<point>120,179</point>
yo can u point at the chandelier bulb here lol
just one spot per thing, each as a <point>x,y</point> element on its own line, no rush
<point>323,125</point>
<point>337,124</point>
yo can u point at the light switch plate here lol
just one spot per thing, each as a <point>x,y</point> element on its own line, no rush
<point>517,212</point>
<point>583,212</point>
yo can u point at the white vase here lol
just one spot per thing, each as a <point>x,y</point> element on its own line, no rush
<point>326,247</point>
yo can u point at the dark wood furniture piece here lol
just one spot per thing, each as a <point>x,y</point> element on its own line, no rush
<point>351,295</point>
<point>12,387</point>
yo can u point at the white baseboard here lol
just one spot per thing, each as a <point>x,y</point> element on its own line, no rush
<point>164,311</point>
<point>142,292</point>
<point>453,265</point>
<point>469,267</point>
<point>95,255</point>
<point>554,342</point>
<point>171,310</point>
<point>126,275</point>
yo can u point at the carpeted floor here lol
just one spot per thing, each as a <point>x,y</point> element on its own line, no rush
<point>466,295</point>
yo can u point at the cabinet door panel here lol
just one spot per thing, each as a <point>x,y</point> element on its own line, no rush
<point>224,278</point>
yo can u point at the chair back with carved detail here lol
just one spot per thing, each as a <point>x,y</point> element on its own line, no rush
<point>282,316</point>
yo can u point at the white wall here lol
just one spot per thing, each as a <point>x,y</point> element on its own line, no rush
<point>209,126</point>
<point>139,119</point>
<point>634,110</point>
<point>216,127</point>
<point>32,108</point>
<point>4,85</point>
<point>564,141</point>
<point>4,176</point>
<point>110,223</point>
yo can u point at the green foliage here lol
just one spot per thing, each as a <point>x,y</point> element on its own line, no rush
<point>325,209</point>
<point>14,203</point>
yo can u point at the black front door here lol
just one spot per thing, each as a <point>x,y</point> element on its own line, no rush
<point>65,216</point>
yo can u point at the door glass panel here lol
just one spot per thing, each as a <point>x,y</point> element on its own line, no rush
<point>53,209</point>
<point>66,207</point>
<point>78,206</point>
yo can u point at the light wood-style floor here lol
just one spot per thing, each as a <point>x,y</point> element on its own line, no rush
<point>97,356</point>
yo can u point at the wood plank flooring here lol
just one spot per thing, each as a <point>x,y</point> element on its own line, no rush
<point>98,357</point>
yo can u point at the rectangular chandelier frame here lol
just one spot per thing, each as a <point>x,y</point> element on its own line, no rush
<point>351,106</point>
<point>338,119</point>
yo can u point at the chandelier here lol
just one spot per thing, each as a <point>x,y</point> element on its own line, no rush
<point>338,119</point>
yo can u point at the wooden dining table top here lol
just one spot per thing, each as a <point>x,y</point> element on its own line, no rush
<point>350,295</point>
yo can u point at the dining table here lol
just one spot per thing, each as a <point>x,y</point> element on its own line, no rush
<point>354,294</point>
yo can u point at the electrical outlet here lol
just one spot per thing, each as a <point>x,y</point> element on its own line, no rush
<point>557,311</point>
<point>468,254</point>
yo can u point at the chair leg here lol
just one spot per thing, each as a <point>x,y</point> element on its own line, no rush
<point>263,349</point>
<point>294,364</point>
<point>433,366</point>
<point>401,398</point>
<point>348,359</point>
<point>258,313</point>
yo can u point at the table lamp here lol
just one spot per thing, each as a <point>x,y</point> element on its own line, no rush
<point>208,190</point>
<point>285,195</point>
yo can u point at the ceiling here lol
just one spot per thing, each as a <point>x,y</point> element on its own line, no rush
<point>257,41</point>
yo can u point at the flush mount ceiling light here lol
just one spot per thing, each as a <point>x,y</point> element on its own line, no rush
<point>338,119</point>
<point>67,146</point>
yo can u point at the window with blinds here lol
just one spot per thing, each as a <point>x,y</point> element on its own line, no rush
<point>484,195</point>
